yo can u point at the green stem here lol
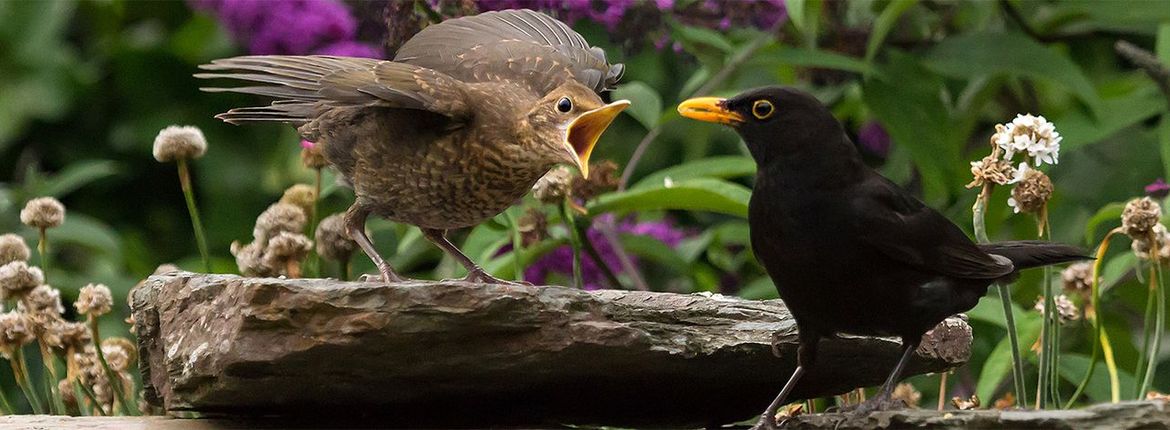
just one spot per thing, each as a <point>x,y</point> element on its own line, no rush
<point>115,380</point>
<point>587,244</point>
<point>574,242</point>
<point>314,265</point>
<point>8,409</point>
<point>19,370</point>
<point>193,210</point>
<point>1159,323</point>
<point>50,363</point>
<point>1148,334</point>
<point>1005,298</point>
<point>517,246</point>
<point>1048,334</point>
<point>89,394</point>
<point>1100,339</point>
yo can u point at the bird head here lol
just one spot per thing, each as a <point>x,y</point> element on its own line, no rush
<point>773,121</point>
<point>569,120</point>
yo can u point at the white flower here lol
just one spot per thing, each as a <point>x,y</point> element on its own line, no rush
<point>1015,205</point>
<point>1019,173</point>
<point>1029,134</point>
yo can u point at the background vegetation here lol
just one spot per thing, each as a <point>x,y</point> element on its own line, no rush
<point>88,84</point>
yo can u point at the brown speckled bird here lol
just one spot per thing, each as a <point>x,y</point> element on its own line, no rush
<point>465,119</point>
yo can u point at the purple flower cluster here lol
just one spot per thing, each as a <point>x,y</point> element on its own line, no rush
<point>1159,189</point>
<point>874,138</point>
<point>290,27</point>
<point>560,260</point>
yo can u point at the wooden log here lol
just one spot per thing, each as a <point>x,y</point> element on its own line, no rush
<point>460,354</point>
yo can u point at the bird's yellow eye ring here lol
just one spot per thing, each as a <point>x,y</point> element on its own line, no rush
<point>762,109</point>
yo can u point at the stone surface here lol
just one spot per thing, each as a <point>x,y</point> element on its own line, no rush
<point>458,354</point>
<point>1146,415</point>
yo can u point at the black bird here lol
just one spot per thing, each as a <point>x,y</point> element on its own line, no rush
<point>850,251</point>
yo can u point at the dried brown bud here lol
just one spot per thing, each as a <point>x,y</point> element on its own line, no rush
<point>12,248</point>
<point>533,227</point>
<point>66,334</point>
<point>65,388</point>
<point>280,217</point>
<point>248,259</point>
<point>312,156</point>
<point>554,186</point>
<point>1140,216</point>
<point>1078,278</point>
<point>94,299</point>
<point>991,169</point>
<point>42,300</point>
<point>333,243</point>
<point>1066,310</point>
<point>120,353</point>
<point>965,405</point>
<point>43,212</point>
<point>285,249</point>
<point>1031,193</point>
<point>907,394</point>
<point>179,143</point>
<point>302,196</point>
<point>17,279</point>
<point>15,332</point>
<point>602,178</point>
<point>1006,402</point>
<point>1158,237</point>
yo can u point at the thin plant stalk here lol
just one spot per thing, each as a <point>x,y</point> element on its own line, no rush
<point>89,394</point>
<point>193,210</point>
<point>517,246</point>
<point>1005,297</point>
<point>1147,334</point>
<point>574,242</point>
<point>314,264</point>
<point>1101,345</point>
<point>942,390</point>
<point>115,380</point>
<point>22,379</point>
<point>56,406</point>
<point>8,409</point>
<point>1154,331</point>
<point>1046,386</point>
<point>43,251</point>
<point>587,245</point>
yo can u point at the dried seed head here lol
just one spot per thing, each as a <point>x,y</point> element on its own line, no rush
<point>94,299</point>
<point>43,212</point>
<point>120,353</point>
<point>42,300</point>
<point>65,388</point>
<point>302,196</point>
<point>1066,310</point>
<point>965,405</point>
<point>68,335</point>
<point>312,156</point>
<point>248,259</point>
<point>554,186</point>
<point>991,169</point>
<point>907,394</point>
<point>333,243</point>
<point>286,248</point>
<point>17,279</point>
<point>1006,402</point>
<point>533,227</point>
<point>1031,192</point>
<point>15,332</point>
<point>179,143</point>
<point>12,248</point>
<point>1140,216</point>
<point>603,178</point>
<point>1078,278</point>
<point>280,217</point>
<point>1159,237</point>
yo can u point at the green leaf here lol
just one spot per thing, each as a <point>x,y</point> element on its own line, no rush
<point>999,362</point>
<point>75,176</point>
<point>1073,367</point>
<point>645,103</point>
<point>709,195</point>
<point>795,10</point>
<point>884,23</point>
<point>702,37</point>
<point>814,58</point>
<point>1014,54</point>
<point>723,167</point>
<point>654,250</point>
<point>761,288</point>
<point>1078,128</point>
<point>1109,212</point>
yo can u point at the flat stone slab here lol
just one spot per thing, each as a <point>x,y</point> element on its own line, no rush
<point>1146,415</point>
<point>460,354</point>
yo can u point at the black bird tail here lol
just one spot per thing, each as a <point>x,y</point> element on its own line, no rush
<point>1026,254</point>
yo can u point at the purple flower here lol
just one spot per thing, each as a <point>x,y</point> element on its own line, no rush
<point>560,260</point>
<point>664,5</point>
<point>873,138</point>
<point>1159,189</point>
<point>293,27</point>
<point>351,48</point>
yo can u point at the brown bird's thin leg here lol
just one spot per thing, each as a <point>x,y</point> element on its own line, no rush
<point>355,226</point>
<point>805,356</point>
<point>884,400</point>
<point>474,272</point>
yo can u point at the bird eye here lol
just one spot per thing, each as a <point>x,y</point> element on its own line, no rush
<point>762,109</point>
<point>564,105</point>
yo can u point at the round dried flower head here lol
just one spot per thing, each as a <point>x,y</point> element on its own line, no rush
<point>17,279</point>
<point>1140,216</point>
<point>65,388</point>
<point>43,212</point>
<point>333,243</point>
<point>179,143</point>
<point>554,186</point>
<point>603,178</point>
<point>120,353</point>
<point>94,299</point>
<point>248,259</point>
<point>907,394</point>
<point>15,332</point>
<point>1029,134</point>
<point>300,195</point>
<point>12,248</point>
<point>991,169</point>
<point>1077,278</point>
<point>312,156</point>
<point>533,226</point>
<point>286,247</point>
<point>1066,310</point>
<point>42,300</point>
<point>1032,190</point>
<point>280,217</point>
<point>68,335</point>
<point>166,268</point>
<point>1158,236</point>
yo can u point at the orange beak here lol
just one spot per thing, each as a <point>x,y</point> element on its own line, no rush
<point>709,109</point>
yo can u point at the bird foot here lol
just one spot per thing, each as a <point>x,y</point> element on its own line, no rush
<point>765,423</point>
<point>482,277</point>
<point>385,275</point>
<point>875,404</point>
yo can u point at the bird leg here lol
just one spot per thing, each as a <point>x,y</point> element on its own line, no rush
<point>474,272</point>
<point>355,226</point>
<point>884,400</point>
<point>805,356</point>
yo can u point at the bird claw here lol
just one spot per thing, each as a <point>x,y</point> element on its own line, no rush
<point>385,275</point>
<point>765,424</point>
<point>482,277</point>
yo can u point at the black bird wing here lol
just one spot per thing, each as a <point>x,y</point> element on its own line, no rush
<point>903,228</point>
<point>305,86</point>
<point>521,46</point>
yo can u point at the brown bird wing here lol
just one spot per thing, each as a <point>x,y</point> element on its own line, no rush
<point>906,230</point>
<point>305,86</point>
<point>521,46</point>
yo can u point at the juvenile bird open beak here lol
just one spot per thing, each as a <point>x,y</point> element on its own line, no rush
<point>709,109</point>
<point>586,129</point>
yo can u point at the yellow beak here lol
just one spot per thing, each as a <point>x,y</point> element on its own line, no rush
<point>709,109</point>
<point>586,129</point>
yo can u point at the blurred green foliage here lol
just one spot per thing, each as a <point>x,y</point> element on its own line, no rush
<point>87,84</point>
